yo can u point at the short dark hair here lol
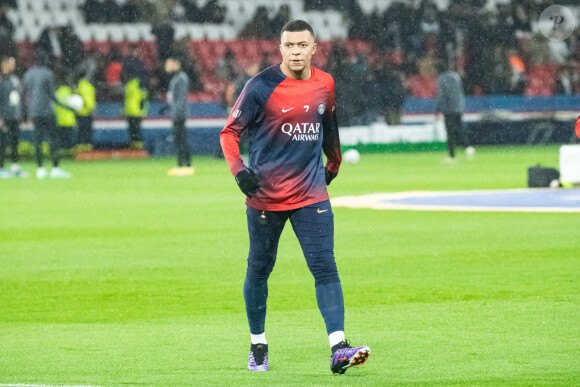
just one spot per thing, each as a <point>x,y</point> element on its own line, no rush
<point>297,26</point>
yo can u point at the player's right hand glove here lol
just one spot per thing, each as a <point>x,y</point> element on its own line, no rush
<point>329,176</point>
<point>248,182</point>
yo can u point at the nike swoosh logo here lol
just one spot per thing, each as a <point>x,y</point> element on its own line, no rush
<point>320,212</point>
<point>286,110</point>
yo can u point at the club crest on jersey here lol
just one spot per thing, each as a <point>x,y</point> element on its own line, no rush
<point>321,108</point>
<point>237,113</point>
<point>305,131</point>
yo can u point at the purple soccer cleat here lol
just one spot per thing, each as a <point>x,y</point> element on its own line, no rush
<point>344,356</point>
<point>258,357</point>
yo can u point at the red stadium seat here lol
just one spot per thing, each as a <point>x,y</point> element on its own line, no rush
<point>423,86</point>
<point>541,80</point>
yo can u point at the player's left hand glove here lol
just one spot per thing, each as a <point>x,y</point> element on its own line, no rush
<point>248,182</point>
<point>329,176</point>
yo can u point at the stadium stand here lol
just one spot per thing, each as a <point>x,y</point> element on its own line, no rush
<point>388,31</point>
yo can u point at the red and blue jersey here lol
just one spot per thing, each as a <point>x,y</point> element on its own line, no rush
<point>289,122</point>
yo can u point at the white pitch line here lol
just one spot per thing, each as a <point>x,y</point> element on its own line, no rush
<point>42,385</point>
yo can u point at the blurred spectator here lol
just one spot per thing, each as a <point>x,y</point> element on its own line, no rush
<point>258,26</point>
<point>564,82</point>
<point>129,12</point>
<point>281,18</point>
<point>391,90</point>
<point>49,42</point>
<point>266,61</point>
<point>521,21</point>
<point>178,13</point>
<point>112,11</point>
<point>424,84</point>
<point>7,46</point>
<point>164,33</point>
<point>189,64</point>
<point>213,13</point>
<point>234,89</point>
<point>94,11</point>
<point>192,11</point>
<point>114,67</point>
<point>133,67</point>
<point>227,67</point>
<point>72,48</point>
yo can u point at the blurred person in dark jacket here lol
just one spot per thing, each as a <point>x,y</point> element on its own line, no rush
<point>451,103</point>
<point>38,89</point>
<point>10,117</point>
<point>7,45</point>
<point>177,104</point>
<point>165,35</point>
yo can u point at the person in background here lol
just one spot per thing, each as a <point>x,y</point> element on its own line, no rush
<point>10,117</point>
<point>136,107</point>
<point>38,95</point>
<point>451,103</point>
<point>85,115</point>
<point>65,118</point>
<point>136,80</point>
<point>177,104</point>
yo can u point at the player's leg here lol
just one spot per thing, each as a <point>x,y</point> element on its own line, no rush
<point>39,124</point>
<point>314,227</point>
<point>56,136</point>
<point>54,141</point>
<point>13,139</point>
<point>264,229</point>
<point>3,143</point>
<point>85,131</point>
<point>451,128</point>
<point>135,135</point>
<point>181,144</point>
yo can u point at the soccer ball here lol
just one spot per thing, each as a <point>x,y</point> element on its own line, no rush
<point>351,156</point>
<point>75,102</point>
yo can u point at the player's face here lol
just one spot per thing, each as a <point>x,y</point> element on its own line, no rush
<point>297,49</point>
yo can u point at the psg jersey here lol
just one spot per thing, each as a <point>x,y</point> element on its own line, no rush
<point>289,123</point>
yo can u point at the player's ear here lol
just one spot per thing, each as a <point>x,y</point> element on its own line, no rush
<point>313,48</point>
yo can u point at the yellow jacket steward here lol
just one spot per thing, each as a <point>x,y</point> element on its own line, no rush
<point>87,91</point>
<point>136,104</point>
<point>64,117</point>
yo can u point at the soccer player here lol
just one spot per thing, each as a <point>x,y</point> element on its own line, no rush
<point>290,115</point>
<point>177,97</point>
<point>10,117</point>
<point>451,102</point>
<point>38,88</point>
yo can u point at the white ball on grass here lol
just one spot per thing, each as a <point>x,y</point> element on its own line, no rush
<point>351,156</point>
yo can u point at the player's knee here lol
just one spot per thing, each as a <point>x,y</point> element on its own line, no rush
<point>324,272</point>
<point>258,271</point>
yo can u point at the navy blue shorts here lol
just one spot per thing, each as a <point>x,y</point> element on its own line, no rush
<point>314,228</point>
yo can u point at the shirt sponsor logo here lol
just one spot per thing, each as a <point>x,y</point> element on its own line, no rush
<point>237,113</point>
<point>321,108</point>
<point>305,131</point>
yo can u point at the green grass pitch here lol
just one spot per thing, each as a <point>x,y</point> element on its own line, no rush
<point>125,276</point>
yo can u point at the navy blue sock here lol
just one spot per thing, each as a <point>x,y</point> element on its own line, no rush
<point>331,305</point>
<point>255,295</point>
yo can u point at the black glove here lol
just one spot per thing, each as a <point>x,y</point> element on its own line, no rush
<point>329,176</point>
<point>248,182</point>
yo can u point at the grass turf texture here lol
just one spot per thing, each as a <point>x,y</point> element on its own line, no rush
<point>123,275</point>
